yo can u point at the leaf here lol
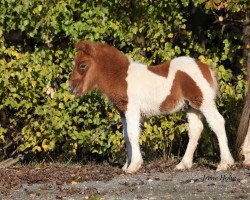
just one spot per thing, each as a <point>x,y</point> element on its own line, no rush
<point>36,48</point>
<point>16,54</point>
<point>170,35</point>
<point>36,148</point>
<point>67,96</point>
<point>74,182</point>
<point>38,9</point>
<point>171,137</point>
<point>61,105</point>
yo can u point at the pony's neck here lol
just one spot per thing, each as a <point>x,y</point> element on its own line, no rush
<point>112,73</point>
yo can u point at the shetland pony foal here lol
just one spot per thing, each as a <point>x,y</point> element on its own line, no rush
<point>136,90</point>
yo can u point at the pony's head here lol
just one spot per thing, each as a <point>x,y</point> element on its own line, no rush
<point>84,76</point>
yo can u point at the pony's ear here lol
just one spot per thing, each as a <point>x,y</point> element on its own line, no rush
<point>85,46</point>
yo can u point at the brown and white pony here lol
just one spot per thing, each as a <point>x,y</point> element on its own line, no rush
<point>136,90</point>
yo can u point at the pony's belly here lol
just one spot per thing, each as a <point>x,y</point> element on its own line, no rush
<point>150,108</point>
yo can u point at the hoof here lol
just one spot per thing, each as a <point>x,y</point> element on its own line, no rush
<point>246,164</point>
<point>182,165</point>
<point>132,168</point>
<point>223,166</point>
<point>125,166</point>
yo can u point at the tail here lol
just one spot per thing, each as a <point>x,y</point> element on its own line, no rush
<point>210,75</point>
<point>215,84</point>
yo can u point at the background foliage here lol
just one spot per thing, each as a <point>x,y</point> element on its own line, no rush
<point>39,118</point>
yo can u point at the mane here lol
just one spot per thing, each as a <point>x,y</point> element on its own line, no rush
<point>109,55</point>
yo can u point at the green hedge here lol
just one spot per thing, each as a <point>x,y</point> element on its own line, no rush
<point>39,117</point>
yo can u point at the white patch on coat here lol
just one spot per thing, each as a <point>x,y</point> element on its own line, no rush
<point>146,90</point>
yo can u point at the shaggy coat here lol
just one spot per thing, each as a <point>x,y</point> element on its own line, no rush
<point>136,90</point>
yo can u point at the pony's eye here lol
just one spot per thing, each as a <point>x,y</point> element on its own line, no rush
<point>82,66</point>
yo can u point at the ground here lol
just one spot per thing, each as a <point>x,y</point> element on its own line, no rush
<point>92,181</point>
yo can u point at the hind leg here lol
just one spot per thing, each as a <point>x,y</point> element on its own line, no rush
<point>195,128</point>
<point>246,149</point>
<point>217,124</point>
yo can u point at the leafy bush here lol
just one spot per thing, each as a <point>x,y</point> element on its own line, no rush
<point>39,116</point>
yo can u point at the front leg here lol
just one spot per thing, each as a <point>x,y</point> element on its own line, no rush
<point>131,133</point>
<point>128,145</point>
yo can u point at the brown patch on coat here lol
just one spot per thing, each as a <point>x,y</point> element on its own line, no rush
<point>161,70</point>
<point>206,72</point>
<point>107,70</point>
<point>184,88</point>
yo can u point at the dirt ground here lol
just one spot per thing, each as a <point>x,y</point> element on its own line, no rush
<point>93,181</point>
